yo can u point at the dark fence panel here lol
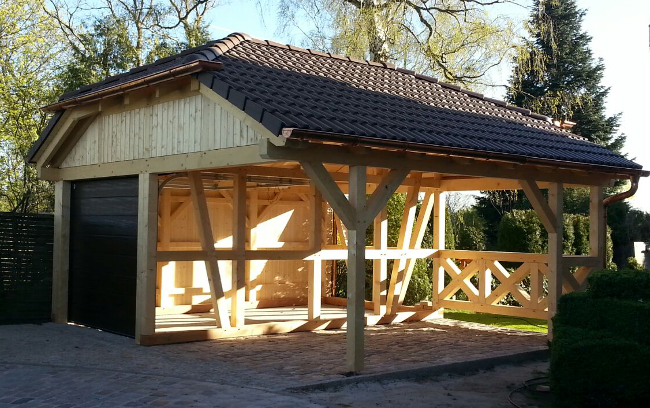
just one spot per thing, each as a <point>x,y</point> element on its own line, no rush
<point>26,242</point>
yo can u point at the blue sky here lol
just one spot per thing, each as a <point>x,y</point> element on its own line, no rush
<point>620,37</point>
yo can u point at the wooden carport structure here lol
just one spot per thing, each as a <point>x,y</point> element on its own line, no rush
<point>249,166</point>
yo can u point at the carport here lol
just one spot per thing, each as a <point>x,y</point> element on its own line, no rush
<point>257,165</point>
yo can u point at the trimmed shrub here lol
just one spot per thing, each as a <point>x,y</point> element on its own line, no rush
<point>598,369</point>
<point>624,284</point>
<point>623,318</point>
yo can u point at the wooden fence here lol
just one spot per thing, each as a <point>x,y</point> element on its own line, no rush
<point>25,267</point>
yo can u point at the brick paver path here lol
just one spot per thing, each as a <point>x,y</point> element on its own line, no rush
<point>263,364</point>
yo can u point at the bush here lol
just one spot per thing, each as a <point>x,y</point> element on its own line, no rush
<point>624,284</point>
<point>598,369</point>
<point>623,318</point>
<point>601,346</point>
<point>521,231</point>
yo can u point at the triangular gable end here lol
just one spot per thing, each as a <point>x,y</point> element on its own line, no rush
<point>194,120</point>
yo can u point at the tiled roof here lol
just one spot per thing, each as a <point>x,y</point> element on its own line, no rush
<point>283,86</point>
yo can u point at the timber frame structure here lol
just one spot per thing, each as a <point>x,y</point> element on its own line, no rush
<point>241,210</point>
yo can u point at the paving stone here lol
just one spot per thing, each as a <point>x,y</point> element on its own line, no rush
<point>109,371</point>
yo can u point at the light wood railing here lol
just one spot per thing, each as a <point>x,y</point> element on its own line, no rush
<point>486,282</point>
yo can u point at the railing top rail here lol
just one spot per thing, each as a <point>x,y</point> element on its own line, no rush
<point>492,256</point>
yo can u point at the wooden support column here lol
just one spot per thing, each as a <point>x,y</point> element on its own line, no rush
<point>238,297</point>
<point>403,242</point>
<point>439,218</point>
<point>61,251</point>
<point>356,213</point>
<point>203,226</point>
<point>166,270</point>
<point>555,251</point>
<point>356,271</point>
<point>251,266</point>
<point>597,227</point>
<point>315,243</point>
<point>380,266</point>
<point>145,304</point>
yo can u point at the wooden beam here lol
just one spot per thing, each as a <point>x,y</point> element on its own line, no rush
<point>380,266</point>
<point>61,252</point>
<point>331,191</point>
<point>416,161</point>
<point>416,242</point>
<point>252,266</point>
<point>315,243</point>
<point>235,156</point>
<point>204,228</point>
<point>439,215</point>
<point>238,299</point>
<point>555,252</point>
<point>384,191</point>
<point>539,203</point>
<point>356,271</point>
<point>403,241</point>
<point>145,303</point>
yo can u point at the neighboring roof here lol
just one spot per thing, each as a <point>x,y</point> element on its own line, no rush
<point>309,93</point>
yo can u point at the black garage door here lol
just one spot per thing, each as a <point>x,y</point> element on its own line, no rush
<point>103,254</point>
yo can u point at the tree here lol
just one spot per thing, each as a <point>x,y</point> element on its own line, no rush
<point>556,74</point>
<point>456,39</point>
<point>107,37</point>
<point>29,47</point>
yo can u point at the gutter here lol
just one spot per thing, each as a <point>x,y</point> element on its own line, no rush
<point>148,80</point>
<point>614,199</point>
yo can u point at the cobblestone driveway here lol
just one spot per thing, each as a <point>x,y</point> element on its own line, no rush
<point>75,362</point>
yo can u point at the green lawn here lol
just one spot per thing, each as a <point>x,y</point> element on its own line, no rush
<point>510,322</point>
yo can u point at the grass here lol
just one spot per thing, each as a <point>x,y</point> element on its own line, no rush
<point>521,323</point>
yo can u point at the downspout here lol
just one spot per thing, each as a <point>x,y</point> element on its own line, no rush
<point>614,199</point>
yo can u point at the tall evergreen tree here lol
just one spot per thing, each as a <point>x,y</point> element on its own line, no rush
<point>556,74</point>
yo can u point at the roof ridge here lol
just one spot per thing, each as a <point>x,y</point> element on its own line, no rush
<point>230,41</point>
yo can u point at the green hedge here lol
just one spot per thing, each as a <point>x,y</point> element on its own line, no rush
<point>623,284</point>
<point>624,318</point>
<point>598,369</point>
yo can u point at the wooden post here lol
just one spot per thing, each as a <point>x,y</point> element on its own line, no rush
<point>597,227</point>
<point>204,228</point>
<point>403,242</point>
<point>61,252</point>
<point>251,266</point>
<point>439,214</point>
<point>145,305</point>
<point>315,243</point>
<point>380,266</point>
<point>356,271</point>
<point>555,252</point>
<point>238,297</point>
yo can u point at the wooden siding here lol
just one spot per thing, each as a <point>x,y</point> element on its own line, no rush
<point>283,226</point>
<point>179,126</point>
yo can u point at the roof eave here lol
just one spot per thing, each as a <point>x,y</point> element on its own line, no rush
<point>356,140</point>
<point>149,80</point>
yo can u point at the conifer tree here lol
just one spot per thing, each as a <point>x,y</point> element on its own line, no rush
<point>557,75</point>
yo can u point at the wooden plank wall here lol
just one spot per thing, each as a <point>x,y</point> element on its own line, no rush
<point>179,126</point>
<point>282,226</point>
